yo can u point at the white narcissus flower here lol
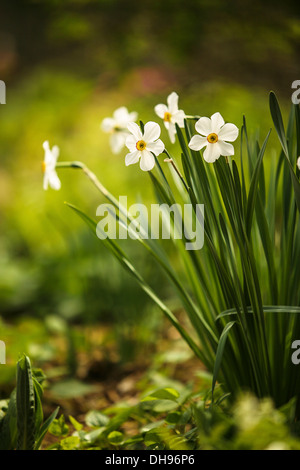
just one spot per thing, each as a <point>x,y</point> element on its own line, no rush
<point>298,163</point>
<point>117,127</point>
<point>48,166</point>
<point>214,134</point>
<point>142,146</point>
<point>171,115</point>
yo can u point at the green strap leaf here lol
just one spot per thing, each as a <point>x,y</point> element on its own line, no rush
<point>44,428</point>
<point>278,123</point>
<point>219,353</point>
<point>254,187</point>
<point>25,405</point>
<point>265,308</point>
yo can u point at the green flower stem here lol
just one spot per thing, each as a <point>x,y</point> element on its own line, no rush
<point>90,175</point>
<point>93,178</point>
<point>170,160</point>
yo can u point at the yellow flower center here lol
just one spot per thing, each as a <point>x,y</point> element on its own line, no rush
<point>141,145</point>
<point>167,116</point>
<point>212,138</point>
<point>43,167</point>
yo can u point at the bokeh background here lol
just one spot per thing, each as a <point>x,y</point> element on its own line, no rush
<point>67,65</point>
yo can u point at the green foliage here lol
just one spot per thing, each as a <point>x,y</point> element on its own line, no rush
<point>193,424</point>
<point>26,406</point>
<point>244,267</point>
<point>22,426</point>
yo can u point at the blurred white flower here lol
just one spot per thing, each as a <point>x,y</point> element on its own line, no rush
<point>214,134</point>
<point>117,127</point>
<point>142,146</point>
<point>171,115</point>
<point>48,166</point>
<point>298,163</point>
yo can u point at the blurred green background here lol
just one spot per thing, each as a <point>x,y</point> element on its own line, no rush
<point>67,65</point>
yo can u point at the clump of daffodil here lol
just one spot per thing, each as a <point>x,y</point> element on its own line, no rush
<point>143,146</point>
<point>171,115</point>
<point>48,166</point>
<point>214,134</point>
<point>116,126</point>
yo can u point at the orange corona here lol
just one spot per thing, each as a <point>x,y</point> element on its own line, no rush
<point>212,138</point>
<point>141,145</point>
